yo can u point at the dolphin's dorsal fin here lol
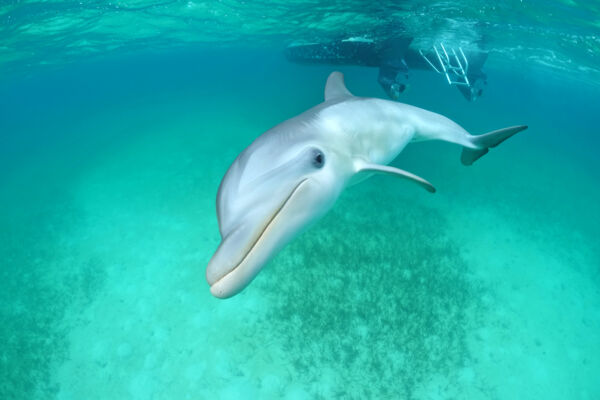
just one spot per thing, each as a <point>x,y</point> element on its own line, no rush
<point>386,169</point>
<point>335,87</point>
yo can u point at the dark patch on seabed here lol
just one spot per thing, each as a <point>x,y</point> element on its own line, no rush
<point>37,292</point>
<point>387,297</point>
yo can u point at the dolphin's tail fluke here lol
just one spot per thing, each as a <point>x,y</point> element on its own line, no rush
<point>482,143</point>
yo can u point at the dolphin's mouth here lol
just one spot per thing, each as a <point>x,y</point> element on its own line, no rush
<point>260,234</point>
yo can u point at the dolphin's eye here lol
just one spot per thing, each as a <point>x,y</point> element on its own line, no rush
<point>318,158</point>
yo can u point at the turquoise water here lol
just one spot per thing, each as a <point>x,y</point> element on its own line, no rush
<point>117,128</point>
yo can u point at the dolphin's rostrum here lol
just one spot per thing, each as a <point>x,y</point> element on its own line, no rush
<point>292,174</point>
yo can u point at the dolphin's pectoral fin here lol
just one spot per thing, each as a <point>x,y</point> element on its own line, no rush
<point>335,87</point>
<point>386,169</point>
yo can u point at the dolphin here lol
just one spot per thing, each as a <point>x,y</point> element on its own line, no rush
<point>292,174</point>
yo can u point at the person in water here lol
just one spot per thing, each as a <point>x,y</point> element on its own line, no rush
<point>394,58</point>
